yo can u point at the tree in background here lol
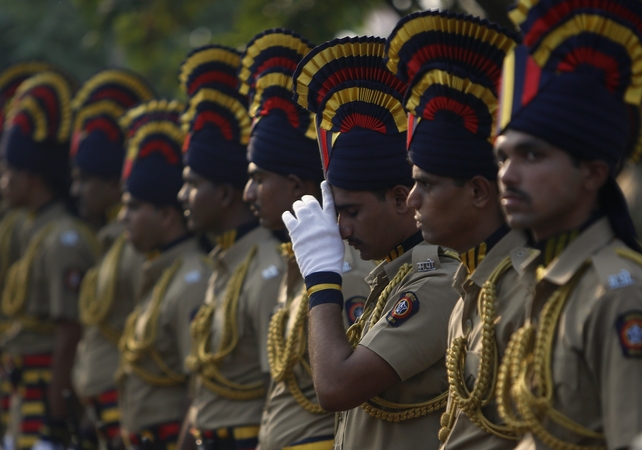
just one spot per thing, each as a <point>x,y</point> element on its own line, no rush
<point>152,37</point>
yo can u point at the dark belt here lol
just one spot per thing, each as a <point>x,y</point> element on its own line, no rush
<point>228,438</point>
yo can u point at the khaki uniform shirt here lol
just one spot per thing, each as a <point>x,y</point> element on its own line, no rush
<point>414,345</point>
<point>597,352</point>
<point>141,404</point>
<point>97,356</point>
<point>61,260</point>
<point>248,363</point>
<point>284,421</point>
<point>510,307</point>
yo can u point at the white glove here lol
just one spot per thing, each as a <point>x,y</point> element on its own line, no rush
<point>315,235</point>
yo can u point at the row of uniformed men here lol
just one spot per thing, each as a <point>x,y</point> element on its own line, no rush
<point>532,348</point>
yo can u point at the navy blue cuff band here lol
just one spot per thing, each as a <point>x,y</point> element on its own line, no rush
<point>324,287</point>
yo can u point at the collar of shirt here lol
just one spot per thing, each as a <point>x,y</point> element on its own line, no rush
<point>473,257</point>
<point>228,259</point>
<point>562,269</point>
<point>227,239</point>
<point>153,269</point>
<point>513,243</point>
<point>406,245</point>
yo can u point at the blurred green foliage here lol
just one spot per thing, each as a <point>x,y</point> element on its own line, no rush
<point>152,37</point>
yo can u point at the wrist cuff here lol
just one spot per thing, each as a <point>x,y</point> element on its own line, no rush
<point>324,287</point>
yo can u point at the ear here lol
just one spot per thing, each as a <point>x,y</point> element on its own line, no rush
<point>168,215</point>
<point>595,174</point>
<point>300,187</point>
<point>482,191</point>
<point>226,193</point>
<point>399,195</point>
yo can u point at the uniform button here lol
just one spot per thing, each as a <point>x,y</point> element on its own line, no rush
<point>520,253</point>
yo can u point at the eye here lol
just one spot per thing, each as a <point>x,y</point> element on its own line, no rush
<point>533,155</point>
<point>352,212</point>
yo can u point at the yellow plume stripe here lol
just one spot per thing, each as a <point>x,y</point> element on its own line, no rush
<point>205,56</point>
<point>328,55</point>
<point>323,287</point>
<point>113,76</point>
<point>63,92</point>
<point>447,25</point>
<point>227,102</point>
<point>464,85</point>
<point>266,81</point>
<point>22,69</point>
<point>106,107</point>
<point>508,90</point>
<point>582,23</point>
<point>520,13</point>
<point>366,95</point>
<point>37,115</point>
<point>166,127</point>
<point>265,42</point>
<point>173,106</point>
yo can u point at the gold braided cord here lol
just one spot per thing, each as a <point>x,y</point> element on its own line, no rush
<point>399,412</point>
<point>14,294</point>
<point>95,306</point>
<point>471,402</point>
<point>133,348</point>
<point>207,364</point>
<point>7,228</point>
<point>528,361</point>
<point>629,254</point>
<point>284,354</point>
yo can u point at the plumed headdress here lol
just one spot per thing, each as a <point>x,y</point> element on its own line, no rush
<point>97,145</point>
<point>153,165</point>
<point>452,64</point>
<point>361,123</point>
<point>38,128</point>
<point>217,121</point>
<point>10,79</point>
<point>283,136</point>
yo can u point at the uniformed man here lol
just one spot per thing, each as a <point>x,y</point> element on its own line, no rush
<point>569,375</point>
<point>285,165</point>
<point>457,202</point>
<point>229,334</point>
<point>12,219</point>
<point>152,379</point>
<point>41,290</point>
<point>388,374</point>
<point>107,294</point>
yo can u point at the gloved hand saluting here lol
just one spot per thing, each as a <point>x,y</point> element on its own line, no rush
<point>315,235</point>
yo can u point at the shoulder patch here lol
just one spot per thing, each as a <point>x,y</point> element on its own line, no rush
<point>270,272</point>
<point>354,307</point>
<point>629,330</point>
<point>69,238</point>
<point>406,307</point>
<point>426,266</point>
<point>193,276</point>
<point>620,279</point>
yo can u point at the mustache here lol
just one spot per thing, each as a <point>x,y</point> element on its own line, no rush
<point>353,241</point>
<point>518,192</point>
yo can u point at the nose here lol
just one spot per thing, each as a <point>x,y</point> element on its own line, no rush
<point>249,193</point>
<point>345,228</point>
<point>183,194</point>
<point>74,190</point>
<point>507,174</point>
<point>414,199</point>
<point>123,215</point>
